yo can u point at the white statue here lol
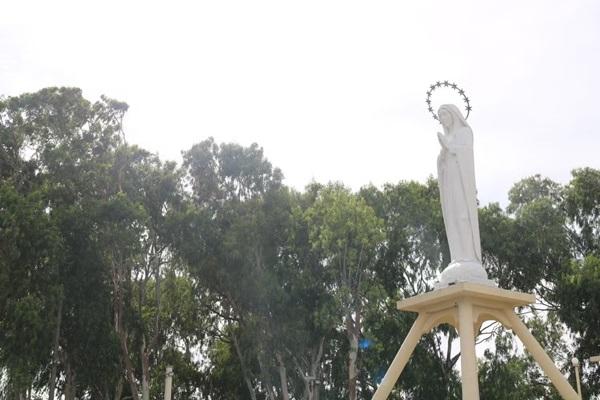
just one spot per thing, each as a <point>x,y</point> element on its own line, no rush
<point>458,194</point>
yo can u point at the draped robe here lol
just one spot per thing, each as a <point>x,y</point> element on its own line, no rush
<point>458,194</point>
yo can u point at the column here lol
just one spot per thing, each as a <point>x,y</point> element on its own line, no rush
<point>468,358</point>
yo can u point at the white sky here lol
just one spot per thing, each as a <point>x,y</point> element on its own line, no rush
<point>333,90</point>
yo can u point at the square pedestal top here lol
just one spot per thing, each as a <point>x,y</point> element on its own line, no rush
<point>475,292</point>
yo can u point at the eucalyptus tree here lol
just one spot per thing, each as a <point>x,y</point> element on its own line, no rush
<point>533,245</point>
<point>232,234</point>
<point>505,367</point>
<point>54,143</point>
<point>183,327</point>
<point>29,249</point>
<point>578,289</point>
<point>133,231</point>
<point>348,233</point>
<point>114,264</point>
<point>111,205</point>
<point>309,313</point>
<point>407,263</point>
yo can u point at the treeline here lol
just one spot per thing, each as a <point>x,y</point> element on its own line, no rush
<point>115,264</point>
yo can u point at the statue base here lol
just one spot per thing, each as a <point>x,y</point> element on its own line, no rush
<point>463,271</point>
<point>466,306</point>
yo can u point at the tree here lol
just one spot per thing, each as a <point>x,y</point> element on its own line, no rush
<point>577,287</point>
<point>582,205</point>
<point>412,253</point>
<point>348,233</point>
<point>29,249</point>
<point>236,224</point>
<point>506,374</point>
<point>110,204</point>
<point>527,248</point>
<point>54,143</point>
<point>115,264</point>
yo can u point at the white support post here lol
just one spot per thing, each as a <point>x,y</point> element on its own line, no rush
<point>468,358</point>
<point>461,305</point>
<point>168,382</point>
<point>402,357</point>
<point>538,353</point>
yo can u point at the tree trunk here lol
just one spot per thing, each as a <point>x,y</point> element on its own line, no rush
<point>282,377</point>
<point>145,389</point>
<point>145,371</point>
<point>55,357</point>
<point>311,378</point>
<point>129,367</point>
<point>315,364</point>
<point>238,350</point>
<point>352,371</point>
<point>118,389</point>
<point>70,385</point>
<point>268,384</point>
<point>120,330</point>
<point>353,336</point>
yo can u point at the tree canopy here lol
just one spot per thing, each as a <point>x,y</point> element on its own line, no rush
<point>115,264</point>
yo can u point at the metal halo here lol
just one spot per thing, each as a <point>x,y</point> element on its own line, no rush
<point>451,85</point>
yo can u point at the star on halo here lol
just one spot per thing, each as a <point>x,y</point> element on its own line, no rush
<point>452,85</point>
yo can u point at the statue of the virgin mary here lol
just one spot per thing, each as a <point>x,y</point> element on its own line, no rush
<point>458,195</point>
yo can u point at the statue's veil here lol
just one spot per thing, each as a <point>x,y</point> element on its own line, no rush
<point>457,116</point>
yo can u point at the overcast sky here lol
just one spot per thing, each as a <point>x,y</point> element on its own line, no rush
<point>333,90</point>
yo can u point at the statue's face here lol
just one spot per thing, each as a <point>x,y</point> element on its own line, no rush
<point>445,118</point>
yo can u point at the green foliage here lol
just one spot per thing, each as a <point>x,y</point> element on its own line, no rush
<point>224,378</point>
<point>582,204</point>
<point>531,189</point>
<point>413,251</point>
<point>527,250</point>
<point>340,222</point>
<point>578,293</point>
<point>115,264</point>
<point>507,374</point>
<point>415,243</point>
<point>29,248</point>
<point>228,171</point>
<point>427,376</point>
<point>346,231</point>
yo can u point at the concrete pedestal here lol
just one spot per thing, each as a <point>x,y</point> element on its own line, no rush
<point>466,306</point>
